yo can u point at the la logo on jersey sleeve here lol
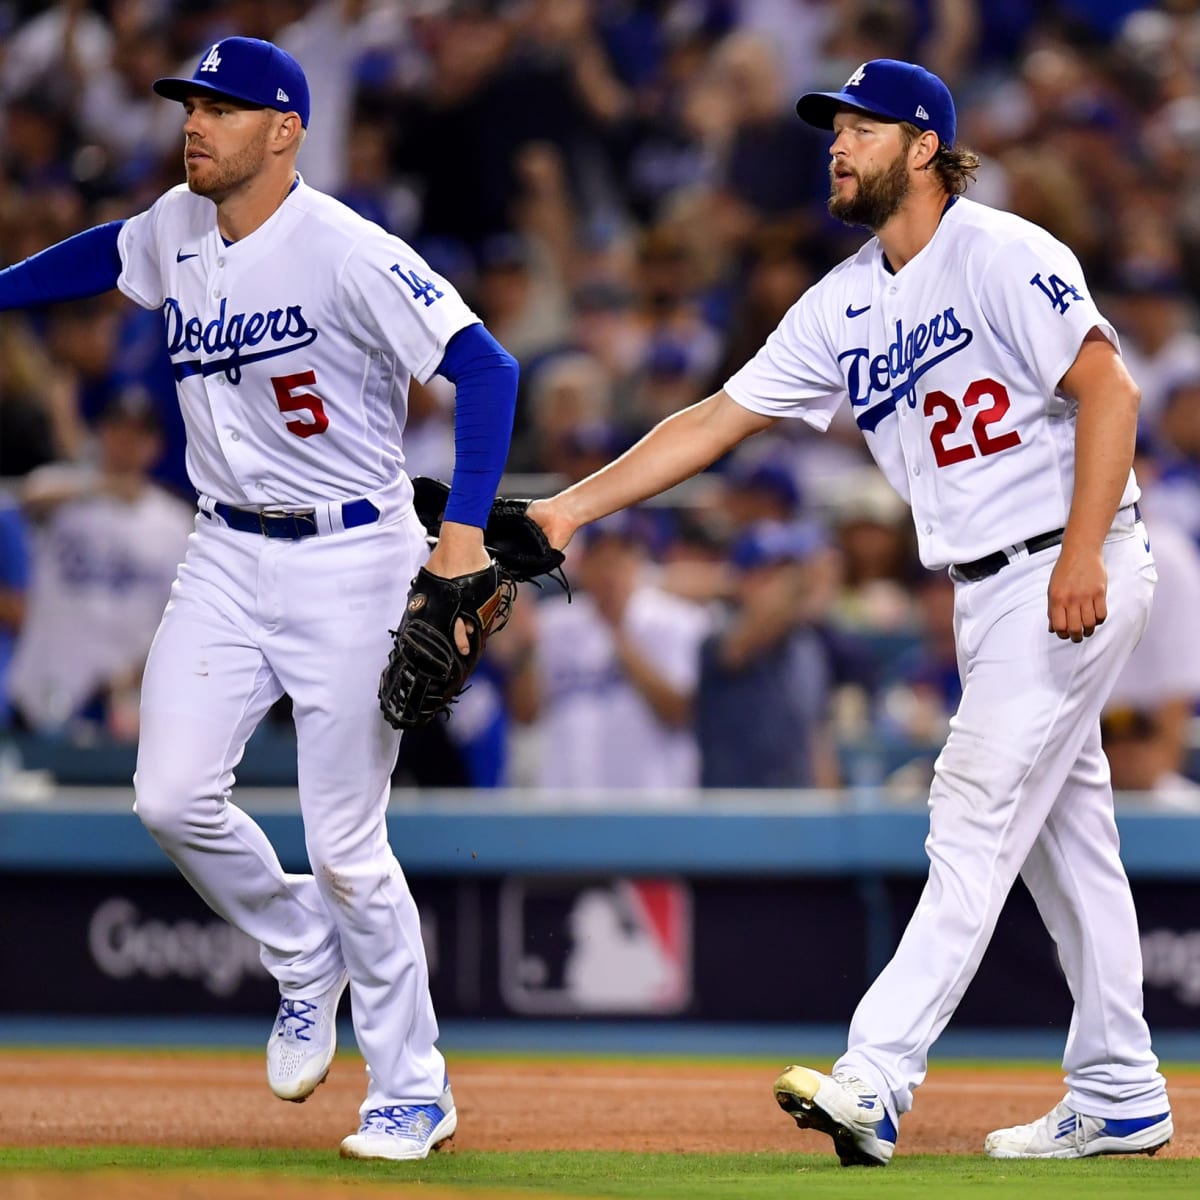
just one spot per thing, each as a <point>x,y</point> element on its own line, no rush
<point>1057,291</point>
<point>422,289</point>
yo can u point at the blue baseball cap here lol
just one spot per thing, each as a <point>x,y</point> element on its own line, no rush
<point>888,88</point>
<point>768,542</point>
<point>246,69</point>
<point>765,475</point>
<point>633,526</point>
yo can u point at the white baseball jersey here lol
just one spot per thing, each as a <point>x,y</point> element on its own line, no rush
<point>597,729</point>
<point>102,571</point>
<point>952,367</point>
<point>292,347</point>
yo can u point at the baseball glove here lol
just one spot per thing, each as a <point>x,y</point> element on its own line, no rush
<point>514,539</point>
<point>425,673</point>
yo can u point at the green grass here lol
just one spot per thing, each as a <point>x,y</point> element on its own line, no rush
<point>766,1176</point>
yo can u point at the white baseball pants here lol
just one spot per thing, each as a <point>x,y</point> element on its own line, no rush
<point>1022,786</point>
<point>249,619</point>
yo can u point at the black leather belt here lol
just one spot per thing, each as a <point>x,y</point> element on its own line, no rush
<point>989,564</point>
<point>291,523</point>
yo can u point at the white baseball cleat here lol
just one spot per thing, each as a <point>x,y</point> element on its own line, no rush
<point>1065,1133</point>
<point>844,1107</point>
<point>302,1044</point>
<point>404,1131</point>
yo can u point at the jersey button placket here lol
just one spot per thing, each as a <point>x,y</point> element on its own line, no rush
<point>239,453</point>
<point>921,483</point>
<point>220,396</point>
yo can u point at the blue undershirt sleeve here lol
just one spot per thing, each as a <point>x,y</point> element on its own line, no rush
<point>485,377</point>
<point>84,265</point>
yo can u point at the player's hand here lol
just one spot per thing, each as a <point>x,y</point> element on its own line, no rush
<point>459,551</point>
<point>556,525</point>
<point>1076,598</point>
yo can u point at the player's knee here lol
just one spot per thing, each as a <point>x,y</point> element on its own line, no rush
<point>348,883</point>
<point>161,819</point>
<point>978,768</point>
<point>166,805</point>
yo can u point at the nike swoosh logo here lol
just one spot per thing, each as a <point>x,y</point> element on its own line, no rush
<point>853,312</point>
<point>181,257</point>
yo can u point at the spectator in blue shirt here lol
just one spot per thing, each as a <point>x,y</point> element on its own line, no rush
<point>14,581</point>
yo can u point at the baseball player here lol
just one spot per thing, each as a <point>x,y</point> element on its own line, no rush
<point>992,394</point>
<point>294,327</point>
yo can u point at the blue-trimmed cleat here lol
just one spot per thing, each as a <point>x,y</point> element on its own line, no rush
<point>302,1044</point>
<point>1065,1133</point>
<point>845,1108</point>
<point>404,1131</point>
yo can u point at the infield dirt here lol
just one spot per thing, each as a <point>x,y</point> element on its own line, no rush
<point>61,1097</point>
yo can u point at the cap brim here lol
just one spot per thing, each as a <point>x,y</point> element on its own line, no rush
<point>819,108</point>
<point>181,89</point>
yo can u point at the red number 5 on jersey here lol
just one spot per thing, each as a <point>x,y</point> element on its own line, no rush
<point>309,405</point>
<point>987,442</point>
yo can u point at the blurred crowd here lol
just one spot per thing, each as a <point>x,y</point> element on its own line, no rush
<point>622,191</point>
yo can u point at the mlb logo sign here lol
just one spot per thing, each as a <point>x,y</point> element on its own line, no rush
<point>609,945</point>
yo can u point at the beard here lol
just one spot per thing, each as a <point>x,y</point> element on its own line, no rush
<point>877,197</point>
<point>218,178</point>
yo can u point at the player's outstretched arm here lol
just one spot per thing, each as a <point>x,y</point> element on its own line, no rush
<point>485,380</point>
<point>674,450</point>
<point>485,377</point>
<point>84,265</point>
<point>1105,430</point>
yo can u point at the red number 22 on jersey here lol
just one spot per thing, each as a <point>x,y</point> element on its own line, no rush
<point>988,443</point>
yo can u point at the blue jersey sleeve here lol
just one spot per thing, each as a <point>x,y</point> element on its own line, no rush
<point>84,265</point>
<point>14,549</point>
<point>485,376</point>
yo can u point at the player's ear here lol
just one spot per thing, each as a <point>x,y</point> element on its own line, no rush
<point>288,130</point>
<point>925,150</point>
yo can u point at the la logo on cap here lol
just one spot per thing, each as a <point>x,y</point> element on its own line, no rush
<point>853,81</point>
<point>255,72</point>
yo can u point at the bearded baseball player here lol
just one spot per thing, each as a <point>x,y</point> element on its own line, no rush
<point>992,394</point>
<point>294,327</point>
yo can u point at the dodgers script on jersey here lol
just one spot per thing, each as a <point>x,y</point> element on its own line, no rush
<point>269,355</point>
<point>966,422</point>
